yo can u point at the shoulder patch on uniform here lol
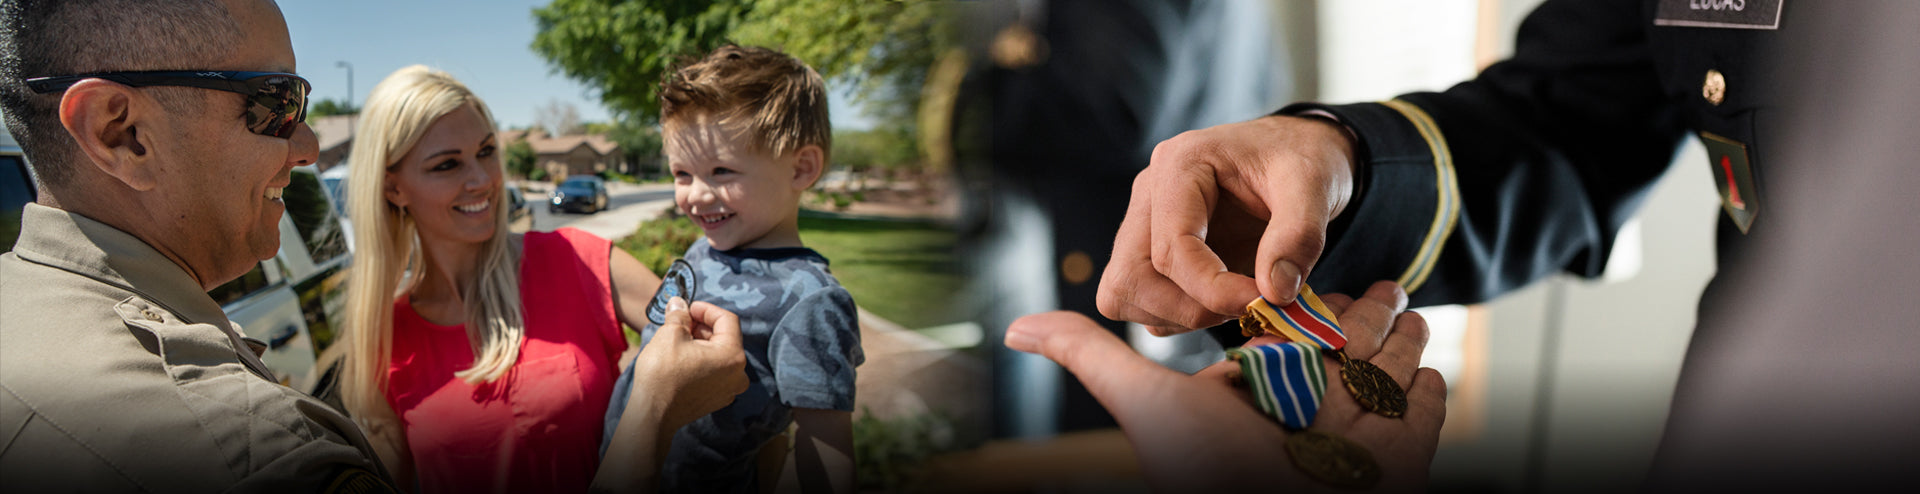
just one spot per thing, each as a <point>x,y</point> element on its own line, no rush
<point>358,481</point>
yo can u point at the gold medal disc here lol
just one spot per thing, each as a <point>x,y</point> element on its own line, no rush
<point>1333,460</point>
<point>1372,387</point>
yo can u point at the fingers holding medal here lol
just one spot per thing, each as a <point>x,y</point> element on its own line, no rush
<point>1288,381</point>
<point>1308,320</point>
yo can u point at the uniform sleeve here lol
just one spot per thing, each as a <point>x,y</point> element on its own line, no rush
<point>814,349</point>
<point>1528,169</point>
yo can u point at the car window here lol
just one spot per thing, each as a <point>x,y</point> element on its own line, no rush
<point>337,193</point>
<point>240,287</point>
<point>312,214</point>
<point>16,190</point>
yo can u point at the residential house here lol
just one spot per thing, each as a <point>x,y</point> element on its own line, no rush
<point>335,133</point>
<point>563,156</point>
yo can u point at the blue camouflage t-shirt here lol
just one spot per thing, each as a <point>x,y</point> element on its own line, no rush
<point>802,340</point>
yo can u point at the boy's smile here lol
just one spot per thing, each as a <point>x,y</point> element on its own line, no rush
<point>713,220</point>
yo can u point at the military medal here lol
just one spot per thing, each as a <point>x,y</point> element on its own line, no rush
<point>1334,460</point>
<point>1308,320</point>
<point>1288,381</point>
<point>1372,387</point>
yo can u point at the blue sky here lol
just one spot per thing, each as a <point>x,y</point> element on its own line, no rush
<point>485,44</point>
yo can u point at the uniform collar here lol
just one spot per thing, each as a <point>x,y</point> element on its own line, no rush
<point>98,251</point>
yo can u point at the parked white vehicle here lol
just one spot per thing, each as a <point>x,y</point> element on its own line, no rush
<point>289,302</point>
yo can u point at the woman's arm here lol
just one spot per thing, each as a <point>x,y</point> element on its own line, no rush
<point>633,286</point>
<point>689,370</point>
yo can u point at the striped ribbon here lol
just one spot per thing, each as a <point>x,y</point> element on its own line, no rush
<point>1306,319</point>
<point>1287,380</point>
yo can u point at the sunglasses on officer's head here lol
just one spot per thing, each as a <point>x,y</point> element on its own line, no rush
<point>276,102</point>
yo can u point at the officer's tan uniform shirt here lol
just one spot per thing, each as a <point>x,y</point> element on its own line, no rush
<point>119,373</point>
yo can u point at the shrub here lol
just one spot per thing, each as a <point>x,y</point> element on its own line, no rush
<point>659,241</point>
<point>890,454</point>
<point>614,176</point>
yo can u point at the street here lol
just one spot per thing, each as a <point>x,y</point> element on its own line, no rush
<point>627,205</point>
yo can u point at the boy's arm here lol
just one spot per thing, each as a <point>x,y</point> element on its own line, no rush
<point>814,352</point>
<point>823,451</point>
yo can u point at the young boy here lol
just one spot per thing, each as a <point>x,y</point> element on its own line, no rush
<point>746,132</point>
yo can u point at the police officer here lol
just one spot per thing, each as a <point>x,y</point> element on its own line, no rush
<point>157,183</point>
<point>1535,165</point>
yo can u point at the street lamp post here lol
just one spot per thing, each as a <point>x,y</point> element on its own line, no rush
<point>356,113</point>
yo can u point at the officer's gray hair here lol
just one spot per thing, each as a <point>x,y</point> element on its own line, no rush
<point>40,38</point>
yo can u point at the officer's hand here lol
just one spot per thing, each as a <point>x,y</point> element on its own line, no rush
<point>1198,433</point>
<point>1181,257</point>
<point>693,364</point>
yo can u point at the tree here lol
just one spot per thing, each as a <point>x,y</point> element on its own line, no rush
<point>624,48</point>
<point>559,118</point>
<point>521,158</point>
<point>639,142</point>
<point>326,107</point>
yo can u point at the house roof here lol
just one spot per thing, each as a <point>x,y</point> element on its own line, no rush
<point>566,144</point>
<point>332,130</point>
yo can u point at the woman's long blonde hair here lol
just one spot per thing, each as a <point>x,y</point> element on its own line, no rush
<point>387,260</point>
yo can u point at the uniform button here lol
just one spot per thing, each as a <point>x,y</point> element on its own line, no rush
<point>150,315</point>
<point>1076,267</point>
<point>1715,88</point>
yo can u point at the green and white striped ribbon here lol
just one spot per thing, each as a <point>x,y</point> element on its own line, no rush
<point>1288,380</point>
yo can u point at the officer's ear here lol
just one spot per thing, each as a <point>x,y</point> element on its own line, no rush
<point>113,126</point>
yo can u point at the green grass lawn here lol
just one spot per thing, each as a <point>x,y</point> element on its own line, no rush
<point>903,271</point>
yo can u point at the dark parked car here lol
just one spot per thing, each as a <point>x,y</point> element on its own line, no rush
<point>585,193</point>
<point>516,205</point>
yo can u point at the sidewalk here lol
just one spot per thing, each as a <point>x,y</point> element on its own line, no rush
<point>907,374</point>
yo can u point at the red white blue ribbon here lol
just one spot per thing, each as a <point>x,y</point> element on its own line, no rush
<point>1306,319</point>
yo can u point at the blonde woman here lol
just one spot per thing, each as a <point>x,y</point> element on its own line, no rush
<point>483,361</point>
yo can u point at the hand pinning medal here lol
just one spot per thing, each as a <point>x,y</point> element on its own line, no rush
<point>1288,381</point>
<point>1307,319</point>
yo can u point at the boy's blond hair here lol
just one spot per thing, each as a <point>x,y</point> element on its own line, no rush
<point>778,103</point>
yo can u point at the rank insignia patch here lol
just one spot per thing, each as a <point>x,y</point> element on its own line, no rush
<point>1733,175</point>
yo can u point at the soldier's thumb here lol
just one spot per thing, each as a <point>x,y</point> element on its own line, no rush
<point>679,323</point>
<point>1289,248</point>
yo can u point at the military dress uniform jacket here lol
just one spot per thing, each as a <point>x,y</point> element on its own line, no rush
<point>119,374</point>
<point>1800,373</point>
<point>1533,167</point>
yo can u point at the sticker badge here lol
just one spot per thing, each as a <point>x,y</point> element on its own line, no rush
<point>1733,175</point>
